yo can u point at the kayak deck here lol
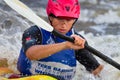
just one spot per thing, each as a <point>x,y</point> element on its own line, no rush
<point>6,71</point>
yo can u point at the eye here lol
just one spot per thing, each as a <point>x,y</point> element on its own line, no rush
<point>59,18</point>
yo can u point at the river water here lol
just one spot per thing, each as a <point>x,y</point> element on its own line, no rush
<point>99,23</point>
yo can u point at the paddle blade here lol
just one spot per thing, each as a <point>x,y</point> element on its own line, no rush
<point>26,12</point>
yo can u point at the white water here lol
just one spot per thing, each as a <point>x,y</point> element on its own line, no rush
<point>12,27</point>
<point>108,45</point>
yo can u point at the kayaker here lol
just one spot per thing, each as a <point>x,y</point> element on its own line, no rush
<point>44,53</point>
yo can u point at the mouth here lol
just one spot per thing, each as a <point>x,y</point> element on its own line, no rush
<point>62,30</point>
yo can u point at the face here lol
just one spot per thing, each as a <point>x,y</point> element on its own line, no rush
<point>62,25</point>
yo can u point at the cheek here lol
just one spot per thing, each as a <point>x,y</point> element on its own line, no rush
<point>69,26</point>
<point>55,23</point>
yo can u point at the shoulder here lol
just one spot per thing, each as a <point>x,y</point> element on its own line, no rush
<point>32,31</point>
<point>31,36</point>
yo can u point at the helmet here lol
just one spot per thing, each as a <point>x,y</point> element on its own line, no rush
<point>63,8</point>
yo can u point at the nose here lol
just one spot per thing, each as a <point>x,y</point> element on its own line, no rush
<point>64,21</point>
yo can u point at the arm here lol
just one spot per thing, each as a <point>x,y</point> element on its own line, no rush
<point>35,50</point>
<point>88,60</point>
<point>44,51</point>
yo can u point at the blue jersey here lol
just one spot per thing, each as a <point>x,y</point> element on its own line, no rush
<point>61,64</point>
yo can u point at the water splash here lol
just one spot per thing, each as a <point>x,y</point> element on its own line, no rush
<point>12,26</point>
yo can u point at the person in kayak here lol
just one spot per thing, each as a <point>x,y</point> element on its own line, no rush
<point>44,53</point>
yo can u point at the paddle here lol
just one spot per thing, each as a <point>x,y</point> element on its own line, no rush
<point>22,9</point>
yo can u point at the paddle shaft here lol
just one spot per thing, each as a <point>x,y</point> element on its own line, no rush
<point>91,49</point>
<point>102,56</point>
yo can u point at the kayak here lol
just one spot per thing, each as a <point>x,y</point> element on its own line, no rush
<point>6,71</point>
<point>34,77</point>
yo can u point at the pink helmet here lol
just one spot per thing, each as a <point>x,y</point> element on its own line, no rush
<point>63,8</point>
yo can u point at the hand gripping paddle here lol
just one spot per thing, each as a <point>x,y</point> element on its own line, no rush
<point>26,12</point>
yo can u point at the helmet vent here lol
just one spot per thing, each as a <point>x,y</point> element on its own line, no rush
<point>67,8</point>
<point>76,3</point>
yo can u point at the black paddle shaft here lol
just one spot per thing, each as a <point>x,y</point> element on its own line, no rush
<point>102,56</point>
<point>91,49</point>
